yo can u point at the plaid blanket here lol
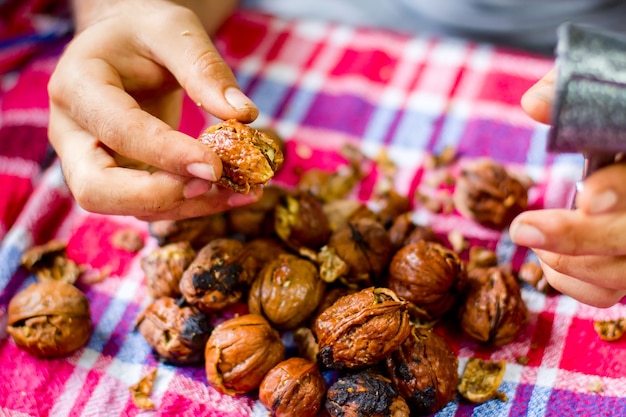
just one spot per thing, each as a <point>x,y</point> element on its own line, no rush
<point>320,86</point>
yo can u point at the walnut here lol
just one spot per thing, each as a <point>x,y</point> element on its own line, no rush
<point>286,292</point>
<point>424,370</point>
<point>293,388</point>
<point>50,262</point>
<point>404,231</point>
<point>488,194</point>
<point>256,219</point>
<point>339,212</point>
<point>198,231</point>
<point>305,342</point>
<point>128,239</point>
<point>428,275</point>
<point>481,380</point>
<point>329,186</point>
<point>176,333</point>
<point>493,311</point>
<point>164,266</point>
<point>365,394</point>
<point>610,330</point>
<point>361,329</point>
<point>240,352</point>
<point>301,223</point>
<point>532,274</point>
<point>249,156</point>
<point>49,319</point>
<point>216,277</point>
<point>390,205</point>
<point>258,253</point>
<point>365,247</point>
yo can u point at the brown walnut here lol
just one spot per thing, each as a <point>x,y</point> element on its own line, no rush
<point>257,219</point>
<point>293,388</point>
<point>164,267</point>
<point>49,319</point>
<point>300,222</point>
<point>240,352</point>
<point>198,231</point>
<point>361,329</point>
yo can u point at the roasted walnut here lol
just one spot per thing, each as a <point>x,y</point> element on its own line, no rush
<point>300,222</point>
<point>49,319</point>
<point>494,311</point>
<point>365,247</point>
<point>365,394</point>
<point>424,369</point>
<point>164,266</point>
<point>488,194</point>
<point>340,212</point>
<point>329,185</point>
<point>50,262</point>
<point>390,205</point>
<point>361,329</point>
<point>127,239</point>
<point>198,231</point>
<point>429,275</point>
<point>404,231</point>
<point>532,274</point>
<point>259,252</point>
<point>249,157</point>
<point>240,352</point>
<point>216,277</point>
<point>610,330</point>
<point>293,388</point>
<point>176,333</point>
<point>286,292</point>
<point>481,379</point>
<point>256,219</point>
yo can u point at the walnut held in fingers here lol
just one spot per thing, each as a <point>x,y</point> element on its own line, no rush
<point>361,329</point>
<point>164,266</point>
<point>424,370</point>
<point>240,352</point>
<point>365,394</point>
<point>176,333</point>
<point>49,319</point>
<point>293,388</point>
<point>249,156</point>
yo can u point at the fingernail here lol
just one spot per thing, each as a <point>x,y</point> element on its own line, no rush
<point>200,170</point>
<point>237,99</point>
<point>527,235</point>
<point>195,187</point>
<point>602,202</point>
<point>237,199</point>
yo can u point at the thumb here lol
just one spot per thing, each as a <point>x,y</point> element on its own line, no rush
<point>537,100</point>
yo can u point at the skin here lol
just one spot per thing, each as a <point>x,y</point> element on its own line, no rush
<point>115,103</point>
<point>582,251</point>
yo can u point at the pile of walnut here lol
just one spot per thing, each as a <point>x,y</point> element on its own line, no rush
<point>359,288</point>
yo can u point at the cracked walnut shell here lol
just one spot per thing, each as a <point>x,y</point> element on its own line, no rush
<point>164,266</point>
<point>249,156</point>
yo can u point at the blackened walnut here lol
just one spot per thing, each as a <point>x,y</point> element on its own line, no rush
<point>198,231</point>
<point>488,194</point>
<point>493,311</point>
<point>300,222</point>
<point>249,156</point>
<point>365,394</point>
<point>240,352</point>
<point>361,329</point>
<point>286,292</point>
<point>293,388</point>
<point>216,277</point>
<point>49,319</point>
<point>176,333</point>
<point>429,275</point>
<point>163,268</point>
<point>424,370</point>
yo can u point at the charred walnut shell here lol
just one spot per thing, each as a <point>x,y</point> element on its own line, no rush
<point>240,352</point>
<point>293,388</point>
<point>286,292</point>
<point>164,267</point>
<point>249,156</point>
<point>365,394</point>
<point>216,277</point>
<point>494,311</point>
<point>49,319</point>
<point>429,275</point>
<point>361,329</point>
<point>300,222</point>
<point>488,194</point>
<point>177,334</point>
<point>424,369</point>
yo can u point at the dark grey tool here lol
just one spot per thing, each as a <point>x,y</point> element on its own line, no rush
<point>589,113</point>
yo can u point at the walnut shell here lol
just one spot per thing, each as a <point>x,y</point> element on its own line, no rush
<point>361,329</point>
<point>424,369</point>
<point>240,352</point>
<point>198,231</point>
<point>164,267</point>
<point>216,277</point>
<point>257,219</point>
<point>300,222</point>
<point>177,333</point>
<point>293,388</point>
<point>49,319</point>
<point>481,379</point>
<point>365,394</point>
<point>429,275</point>
<point>286,292</point>
<point>249,156</point>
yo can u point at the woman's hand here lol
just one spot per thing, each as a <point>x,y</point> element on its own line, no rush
<point>115,104</point>
<point>582,251</point>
